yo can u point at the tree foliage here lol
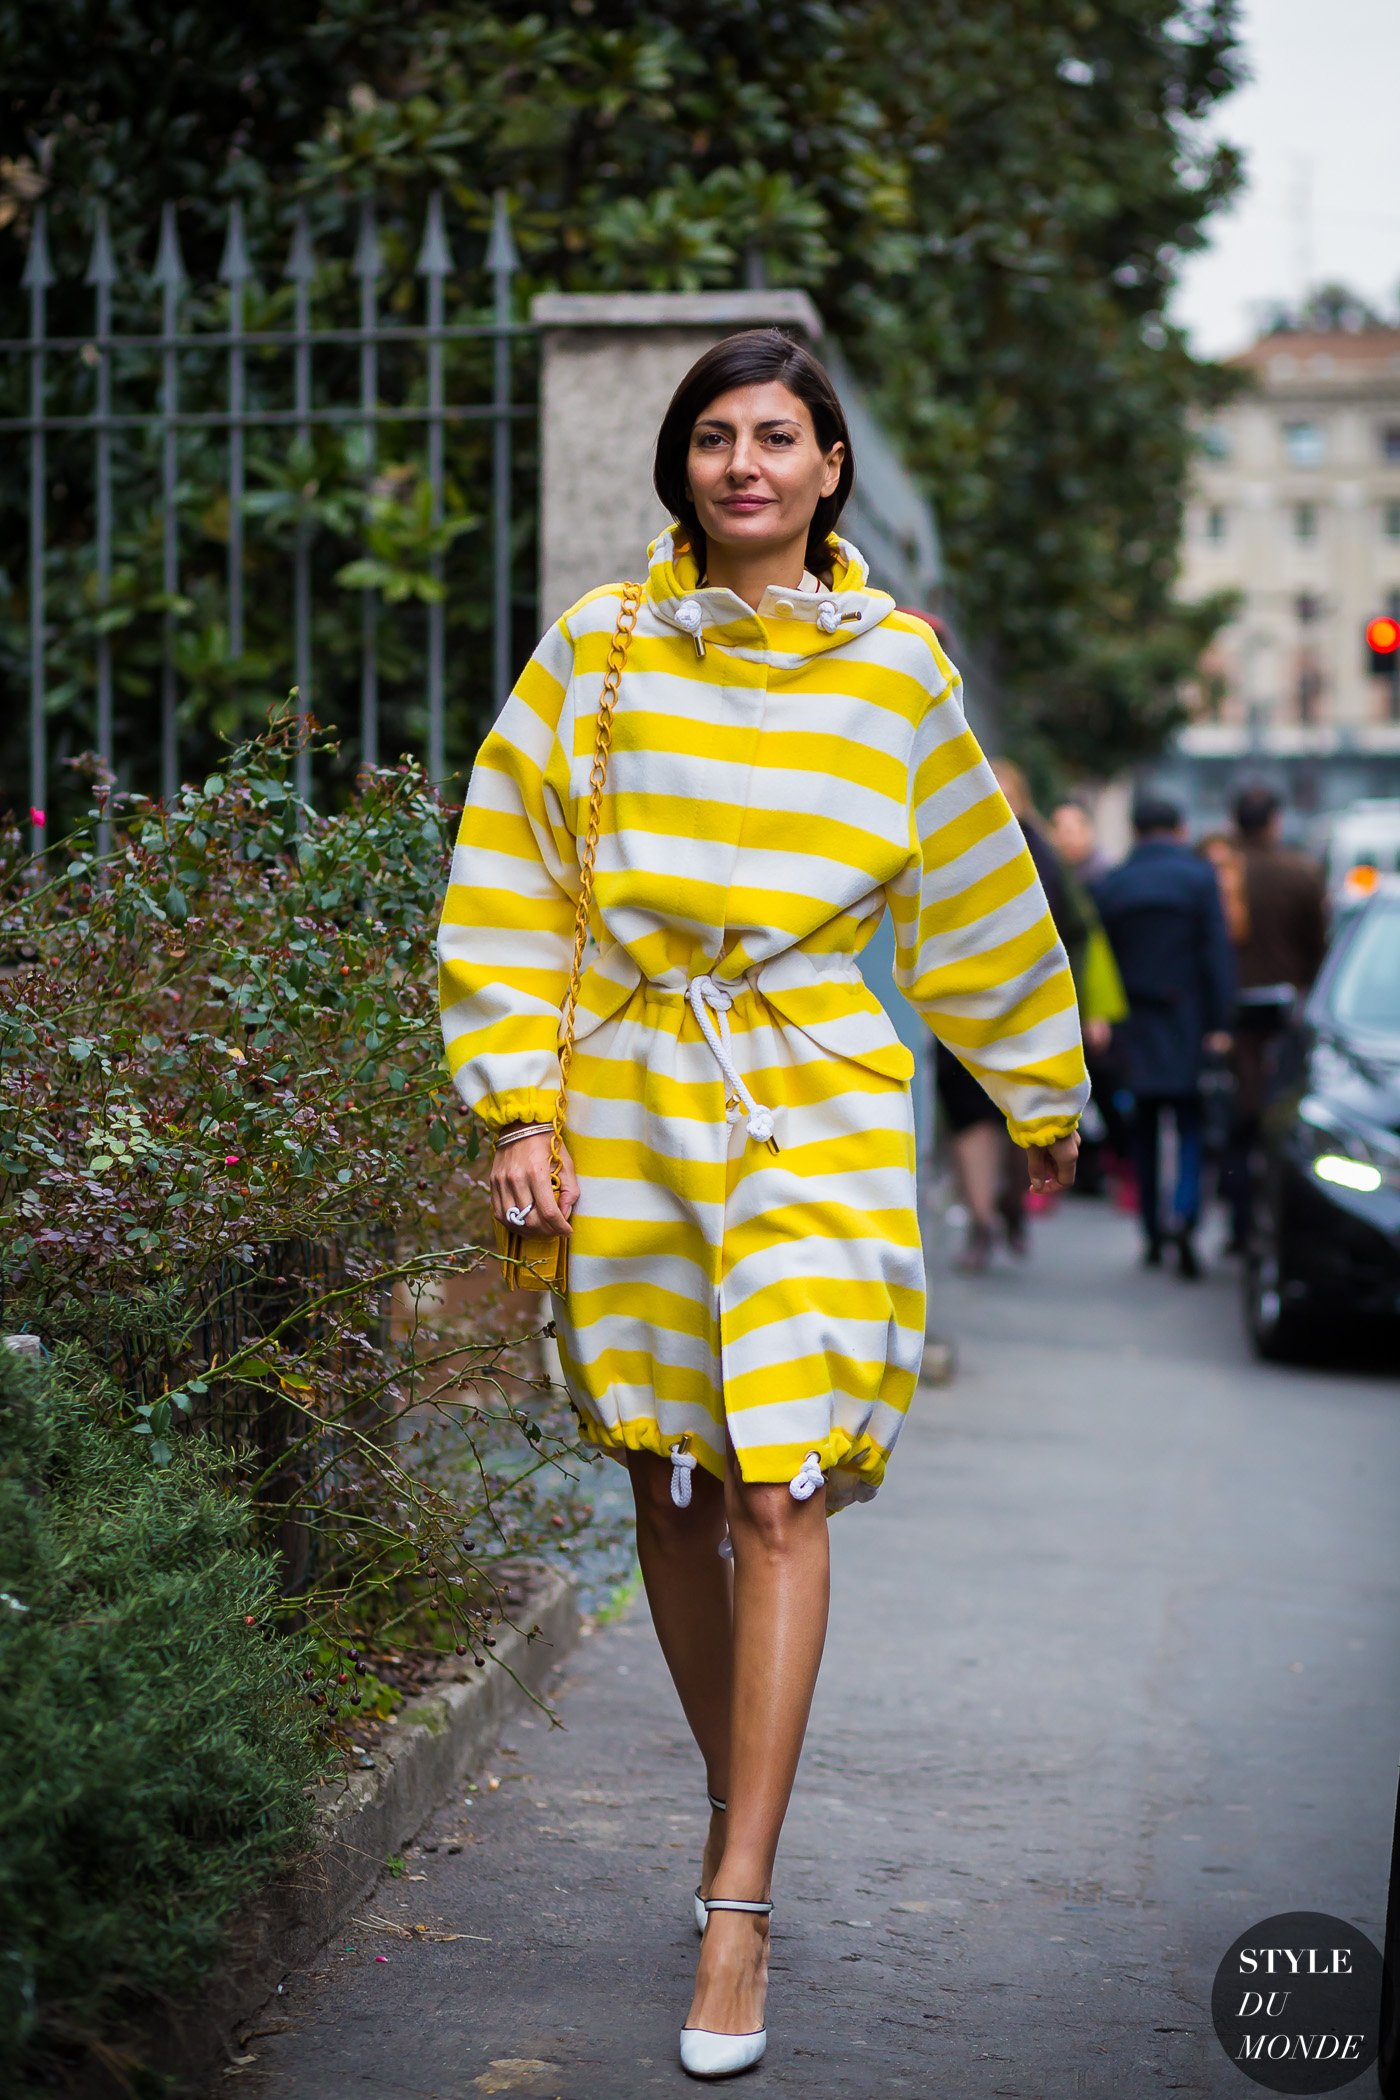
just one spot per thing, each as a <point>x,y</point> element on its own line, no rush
<point>989,205</point>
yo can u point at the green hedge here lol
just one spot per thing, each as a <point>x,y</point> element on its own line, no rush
<point>155,1744</point>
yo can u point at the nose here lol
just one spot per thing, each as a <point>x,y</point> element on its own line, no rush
<point>742,464</point>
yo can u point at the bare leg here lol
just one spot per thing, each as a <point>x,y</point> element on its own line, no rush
<point>977,1165</point>
<point>689,1590</point>
<point>781,1597</point>
<point>977,1160</point>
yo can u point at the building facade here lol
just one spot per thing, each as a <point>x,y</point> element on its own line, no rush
<point>1296,505</point>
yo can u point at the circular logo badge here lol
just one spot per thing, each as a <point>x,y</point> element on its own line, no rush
<point>1297,2002</point>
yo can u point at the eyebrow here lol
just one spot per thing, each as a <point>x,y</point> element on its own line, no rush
<point>768,423</point>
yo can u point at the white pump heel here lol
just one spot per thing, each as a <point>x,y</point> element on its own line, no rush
<point>707,2054</point>
<point>721,1806</point>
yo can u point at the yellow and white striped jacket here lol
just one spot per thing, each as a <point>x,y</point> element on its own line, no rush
<point>777,777</point>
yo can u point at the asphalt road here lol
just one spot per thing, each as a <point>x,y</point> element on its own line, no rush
<point>1112,1675</point>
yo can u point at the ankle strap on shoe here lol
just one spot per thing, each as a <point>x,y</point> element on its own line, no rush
<point>733,1903</point>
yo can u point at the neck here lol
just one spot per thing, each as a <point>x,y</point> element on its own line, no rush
<point>748,571</point>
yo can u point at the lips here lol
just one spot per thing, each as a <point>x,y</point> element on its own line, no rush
<point>745,503</point>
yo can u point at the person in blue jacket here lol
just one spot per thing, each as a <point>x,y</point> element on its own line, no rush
<point>1161,910</point>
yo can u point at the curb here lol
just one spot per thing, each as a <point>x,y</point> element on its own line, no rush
<point>438,1739</point>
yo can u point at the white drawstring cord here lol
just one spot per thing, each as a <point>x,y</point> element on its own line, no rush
<point>703,992</point>
<point>682,1466</point>
<point>808,1478</point>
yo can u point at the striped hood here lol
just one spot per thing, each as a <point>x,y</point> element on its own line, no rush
<point>789,623</point>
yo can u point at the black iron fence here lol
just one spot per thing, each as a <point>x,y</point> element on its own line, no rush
<point>308,436</point>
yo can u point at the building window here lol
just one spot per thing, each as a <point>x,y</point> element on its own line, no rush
<point>1308,607</point>
<point>1215,442</point>
<point>1215,522</point>
<point>1390,520</point>
<point>1309,690</point>
<point>1304,444</point>
<point>1390,443</point>
<point>1305,521</point>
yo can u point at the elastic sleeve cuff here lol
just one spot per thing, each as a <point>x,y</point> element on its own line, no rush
<point>521,1105</point>
<point>1043,1133</point>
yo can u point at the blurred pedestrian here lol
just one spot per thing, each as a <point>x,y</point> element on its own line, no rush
<point>1075,838</point>
<point>984,1160</point>
<point>1279,951</point>
<point>1162,912</point>
<point>1222,850</point>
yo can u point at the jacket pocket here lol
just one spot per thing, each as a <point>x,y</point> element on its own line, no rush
<point>605,987</point>
<point>845,1019</point>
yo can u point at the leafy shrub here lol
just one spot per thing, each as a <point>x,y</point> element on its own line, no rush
<point>155,1753</point>
<point>233,1168</point>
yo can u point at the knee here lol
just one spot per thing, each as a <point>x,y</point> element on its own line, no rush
<point>764,1516</point>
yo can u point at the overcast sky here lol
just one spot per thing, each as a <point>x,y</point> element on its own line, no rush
<point>1319,123</point>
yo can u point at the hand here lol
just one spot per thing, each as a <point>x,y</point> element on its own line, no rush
<point>1052,1166</point>
<point>1221,1043</point>
<point>520,1176</point>
<point>1096,1036</point>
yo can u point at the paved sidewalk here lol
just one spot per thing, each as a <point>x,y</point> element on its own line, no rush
<point>1111,1675</point>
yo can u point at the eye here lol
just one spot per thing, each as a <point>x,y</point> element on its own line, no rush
<point>706,440</point>
<point>782,437</point>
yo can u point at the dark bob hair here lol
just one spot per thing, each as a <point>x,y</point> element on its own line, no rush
<point>752,359</point>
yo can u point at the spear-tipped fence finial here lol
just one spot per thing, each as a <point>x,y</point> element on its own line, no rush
<point>301,256</point>
<point>434,257</point>
<point>235,268</point>
<point>101,272</point>
<point>502,255</point>
<point>38,270</point>
<point>169,272</point>
<point>369,261</point>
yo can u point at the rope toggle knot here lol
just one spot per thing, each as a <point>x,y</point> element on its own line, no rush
<point>683,1464</point>
<point>689,618</point>
<point>710,999</point>
<point>807,1479</point>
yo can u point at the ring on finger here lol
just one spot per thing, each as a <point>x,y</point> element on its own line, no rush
<point>516,1215</point>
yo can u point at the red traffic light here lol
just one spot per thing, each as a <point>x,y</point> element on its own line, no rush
<point>1383,635</point>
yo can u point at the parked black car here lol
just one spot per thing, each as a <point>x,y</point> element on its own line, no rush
<point>1327,1240</point>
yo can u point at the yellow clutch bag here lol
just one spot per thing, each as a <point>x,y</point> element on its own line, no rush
<point>539,1261</point>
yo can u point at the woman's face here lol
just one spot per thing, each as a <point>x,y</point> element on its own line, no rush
<point>755,471</point>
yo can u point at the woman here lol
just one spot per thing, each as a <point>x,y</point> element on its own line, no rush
<point>745,1314</point>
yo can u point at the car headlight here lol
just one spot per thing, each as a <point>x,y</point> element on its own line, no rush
<point>1345,1149</point>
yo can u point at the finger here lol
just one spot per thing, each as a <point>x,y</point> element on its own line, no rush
<point>546,1216</point>
<point>500,1194</point>
<point>514,1188</point>
<point>568,1183</point>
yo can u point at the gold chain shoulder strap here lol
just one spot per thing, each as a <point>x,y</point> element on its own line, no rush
<point>612,678</point>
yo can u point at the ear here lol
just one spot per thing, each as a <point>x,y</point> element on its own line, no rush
<point>835,459</point>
